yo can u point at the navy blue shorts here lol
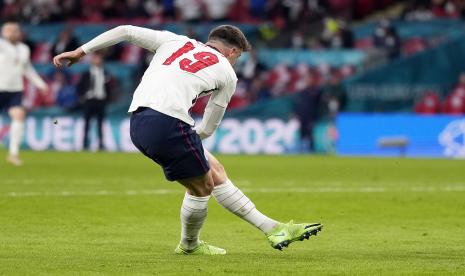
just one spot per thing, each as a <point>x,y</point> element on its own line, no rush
<point>10,99</point>
<point>170,142</point>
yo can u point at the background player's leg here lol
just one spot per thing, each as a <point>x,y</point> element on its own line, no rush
<point>100,112</point>
<point>234,200</point>
<point>194,208</point>
<point>17,115</point>
<point>87,117</point>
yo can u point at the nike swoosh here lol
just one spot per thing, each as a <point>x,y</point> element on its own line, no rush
<point>279,235</point>
<point>312,225</point>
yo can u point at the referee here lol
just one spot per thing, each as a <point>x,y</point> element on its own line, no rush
<point>15,64</point>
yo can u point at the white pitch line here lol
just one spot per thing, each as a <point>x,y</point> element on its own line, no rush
<point>246,190</point>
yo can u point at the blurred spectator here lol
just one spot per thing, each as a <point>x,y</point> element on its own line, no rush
<point>334,97</point>
<point>444,8</point>
<point>306,110</point>
<point>71,9</point>
<point>414,45</point>
<point>154,9</point>
<point>299,79</point>
<point>278,79</point>
<point>286,13</point>
<point>459,90</point>
<point>258,8</point>
<point>330,30</point>
<point>429,103</point>
<point>252,67</point>
<point>25,39</point>
<point>94,88</point>
<point>189,10</point>
<point>239,99</point>
<point>387,39</point>
<point>418,10</point>
<point>46,11</point>
<point>64,92</point>
<point>258,90</point>
<point>66,42</point>
<point>134,9</point>
<point>347,36</point>
<point>454,105</point>
<point>218,10</point>
<point>297,40</point>
<point>337,34</point>
<point>109,9</point>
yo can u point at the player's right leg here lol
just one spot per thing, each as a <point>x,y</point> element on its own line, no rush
<point>173,145</point>
<point>17,115</point>
<point>233,199</point>
<point>193,215</point>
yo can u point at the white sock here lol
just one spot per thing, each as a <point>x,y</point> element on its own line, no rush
<point>193,214</point>
<point>234,200</point>
<point>16,136</point>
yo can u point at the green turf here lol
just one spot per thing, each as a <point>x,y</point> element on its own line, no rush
<point>84,213</point>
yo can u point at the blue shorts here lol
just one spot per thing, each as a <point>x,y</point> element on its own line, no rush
<point>169,142</point>
<point>10,99</point>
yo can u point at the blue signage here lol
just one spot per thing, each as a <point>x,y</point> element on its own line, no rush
<point>401,134</point>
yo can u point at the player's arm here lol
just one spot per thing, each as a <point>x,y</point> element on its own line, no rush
<point>31,74</point>
<point>215,109</point>
<point>143,37</point>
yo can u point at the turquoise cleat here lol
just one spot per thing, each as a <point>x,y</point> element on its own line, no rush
<point>286,233</point>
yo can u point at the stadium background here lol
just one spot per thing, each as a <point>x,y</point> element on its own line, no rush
<point>318,63</point>
<point>366,77</point>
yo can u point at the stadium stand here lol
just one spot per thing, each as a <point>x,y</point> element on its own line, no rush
<point>325,43</point>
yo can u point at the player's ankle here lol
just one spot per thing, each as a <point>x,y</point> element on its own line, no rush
<point>272,227</point>
<point>189,244</point>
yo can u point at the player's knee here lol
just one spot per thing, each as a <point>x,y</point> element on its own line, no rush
<point>201,188</point>
<point>218,174</point>
<point>17,113</point>
<point>204,190</point>
<point>209,188</point>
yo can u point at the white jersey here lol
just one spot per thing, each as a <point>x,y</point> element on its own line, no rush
<point>181,71</point>
<point>15,64</point>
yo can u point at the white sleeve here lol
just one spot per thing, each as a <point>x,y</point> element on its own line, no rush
<point>143,37</point>
<point>214,111</point>
<point>31,74</point>
<point>223,96</point>
<point>211,120</point>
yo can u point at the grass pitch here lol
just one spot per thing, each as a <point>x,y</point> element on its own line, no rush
<point>111,213</point>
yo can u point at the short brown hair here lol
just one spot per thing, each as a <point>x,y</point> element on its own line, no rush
<point>230,35</point>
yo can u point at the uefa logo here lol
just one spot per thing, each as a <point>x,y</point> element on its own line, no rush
<point>452,138</point>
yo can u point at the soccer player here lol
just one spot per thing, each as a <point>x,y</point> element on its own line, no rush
<point>14,65</point>
<point>181,71</point>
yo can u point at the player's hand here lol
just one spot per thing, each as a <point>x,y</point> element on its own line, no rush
<point>68,58</point>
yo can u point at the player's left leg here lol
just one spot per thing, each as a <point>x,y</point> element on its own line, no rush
<point>233,199</point>
<point>17,115</point>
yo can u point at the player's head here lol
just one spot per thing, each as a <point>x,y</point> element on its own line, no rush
<point>230,41</point>
<point>11,31</point>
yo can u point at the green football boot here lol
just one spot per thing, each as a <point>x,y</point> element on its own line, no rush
<point>286,233</point>
<point>202,249</point>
